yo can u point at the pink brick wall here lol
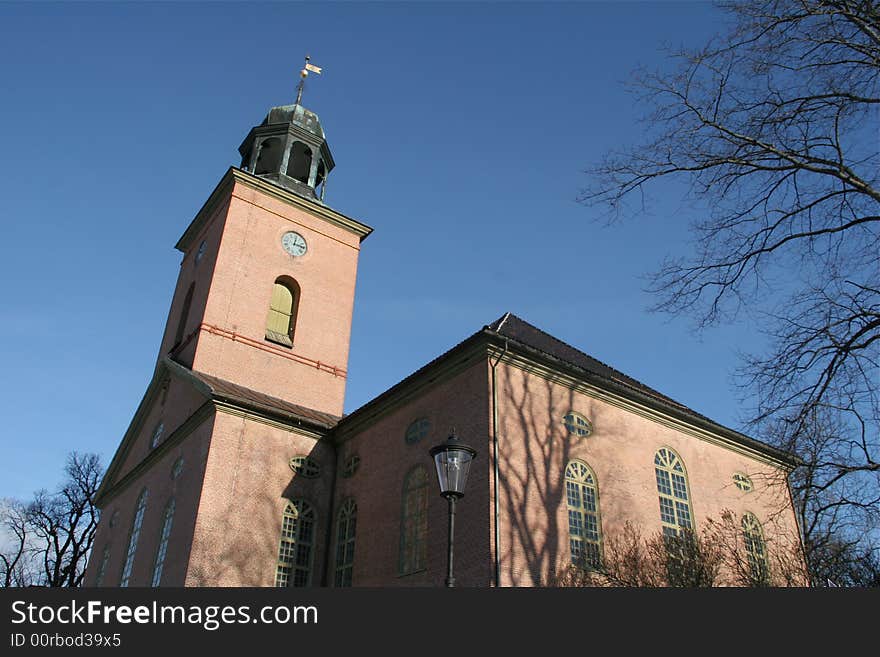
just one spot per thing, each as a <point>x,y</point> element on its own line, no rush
<point>247,484</point>
<point>249,260</point>
<point>181,401</point>
<point>200,274</point>
<point>535,449</point>
<point>377,486</point>
<point>186,491</point>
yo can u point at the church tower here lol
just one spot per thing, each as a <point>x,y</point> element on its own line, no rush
<point>266,286</point>
<point>250,377</point>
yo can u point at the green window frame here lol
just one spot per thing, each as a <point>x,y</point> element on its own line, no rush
<point>164,535</point>
<point>346,524</point>
<point>351,466</point>
<point>102,567</point>
<point>414,522</point>
<point>577,425</point>
<point>674,492</point>
<point>296,547</point>
<point>584,524</point>
<point>158,432</point>
<point>305,466</point>
<point>417,430</point>
<point>177,468</point>
<point>756,548</point>
<point>134,534</point>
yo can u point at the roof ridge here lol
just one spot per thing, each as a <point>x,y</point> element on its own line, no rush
<point>621,376</point>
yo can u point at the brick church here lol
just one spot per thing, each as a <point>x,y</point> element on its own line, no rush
<point>240,469</point>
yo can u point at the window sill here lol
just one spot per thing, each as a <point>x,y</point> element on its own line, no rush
<point>279,338</point>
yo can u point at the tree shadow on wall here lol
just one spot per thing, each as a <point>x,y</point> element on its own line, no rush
<point>533,454</point>
<point>239,553</point>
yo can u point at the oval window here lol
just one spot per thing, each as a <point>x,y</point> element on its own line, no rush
<point>577,425</point>
<point>417,430</point>
<point>305,466</point>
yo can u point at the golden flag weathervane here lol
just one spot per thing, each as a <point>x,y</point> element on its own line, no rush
<point>303,74</point>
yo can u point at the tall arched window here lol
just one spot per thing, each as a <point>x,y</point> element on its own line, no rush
<point>346,524</point>
<point>140,509</point>
<point>414,522</point>
<point>282,311</point>
<point>184,315</point>
<point>102,567</point>
<point>756,549</point>
<point>297,540</point>
<point>584,527</point>
<point>299,162</point>
<point>164,535</point>
<point>672,485</point>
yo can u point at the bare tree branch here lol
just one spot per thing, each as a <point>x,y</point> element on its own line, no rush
<point>774,127</point>
<point>54,533</point>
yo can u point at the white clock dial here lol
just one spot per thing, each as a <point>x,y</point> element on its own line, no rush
<point>294,243</point>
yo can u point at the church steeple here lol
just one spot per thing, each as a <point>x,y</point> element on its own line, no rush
<point>289,148</point>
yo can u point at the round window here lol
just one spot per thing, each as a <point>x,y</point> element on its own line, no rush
<point>305,466</point>
<point>417,430</point>
<point>577,425</point>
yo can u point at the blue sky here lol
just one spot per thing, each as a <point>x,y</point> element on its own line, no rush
<point>460,133</point>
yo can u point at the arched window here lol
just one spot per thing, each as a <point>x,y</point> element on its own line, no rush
<point>102,567</point>
<point>346,524</point>
<point>158,432</point>
<point>297,540</point>
<point>269,158</point>
<point>299,162</point>
<point>184,315</point>
<point>675,510</point>
<point>136,523</point>
<point>282,311</point>
<point>756,549</point>
<point>164,535</point>
<point>584,527</point>
<point>414,522</point>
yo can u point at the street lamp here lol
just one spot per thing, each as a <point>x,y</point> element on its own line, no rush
<point>453,460</point>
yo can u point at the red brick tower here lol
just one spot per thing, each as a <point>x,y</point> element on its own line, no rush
<point>251,373</point>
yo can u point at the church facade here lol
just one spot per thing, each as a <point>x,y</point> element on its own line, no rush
<point>239,468</point>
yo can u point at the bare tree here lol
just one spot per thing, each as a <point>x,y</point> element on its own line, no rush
<point>723,553</point>
<point>775,129</point>
<point>17,553</point>
<point>51,537</point>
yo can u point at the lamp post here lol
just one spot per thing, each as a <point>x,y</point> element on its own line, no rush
<point>453,460</point>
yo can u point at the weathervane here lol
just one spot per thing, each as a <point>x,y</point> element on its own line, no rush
<point>303,74</point>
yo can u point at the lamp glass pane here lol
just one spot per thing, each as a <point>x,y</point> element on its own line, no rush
<point>452,470</point>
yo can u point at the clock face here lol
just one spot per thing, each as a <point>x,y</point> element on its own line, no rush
<point>294,244</point>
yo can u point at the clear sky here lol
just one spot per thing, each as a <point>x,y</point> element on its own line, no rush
<point>460,133</point>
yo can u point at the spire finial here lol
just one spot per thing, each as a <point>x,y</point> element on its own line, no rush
<point>303,74</point>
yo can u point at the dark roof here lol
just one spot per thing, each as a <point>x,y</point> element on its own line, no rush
<point>227,391</point>
<point>513,328</point>
<point>296,114</point>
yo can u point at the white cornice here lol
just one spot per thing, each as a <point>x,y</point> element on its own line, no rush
<point>233,175</point>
